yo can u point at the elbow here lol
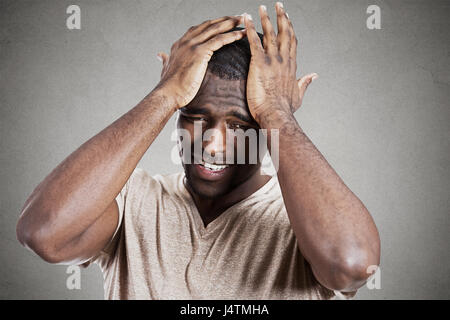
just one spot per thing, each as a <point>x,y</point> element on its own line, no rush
<point>351,277</point>
<point>353,271</point>
<point>23,231</point>
<point>356,264</point>
<point>38,240</point>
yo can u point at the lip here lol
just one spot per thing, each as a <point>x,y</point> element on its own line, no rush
<point>209,174</point>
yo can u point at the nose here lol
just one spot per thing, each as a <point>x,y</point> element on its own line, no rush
<point>214,144</point>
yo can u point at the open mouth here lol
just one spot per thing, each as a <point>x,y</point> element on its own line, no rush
<point>214,167</point>
<point>211,171</point>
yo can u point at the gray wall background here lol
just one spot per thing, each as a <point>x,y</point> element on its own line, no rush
<point>379,113</point>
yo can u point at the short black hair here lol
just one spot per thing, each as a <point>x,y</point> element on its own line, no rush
<point>232,61</point>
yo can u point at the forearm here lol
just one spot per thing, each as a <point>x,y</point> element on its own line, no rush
<point>335,232</point>
<point>80,188</point>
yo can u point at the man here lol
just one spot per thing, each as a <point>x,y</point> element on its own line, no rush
<point>220,230</point>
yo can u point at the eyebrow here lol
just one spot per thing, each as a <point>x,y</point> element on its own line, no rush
<point>205,111</point>
<point>196,110</point>
<point>240,116</point>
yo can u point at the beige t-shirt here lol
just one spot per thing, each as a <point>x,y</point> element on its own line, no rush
<point>161,249</point>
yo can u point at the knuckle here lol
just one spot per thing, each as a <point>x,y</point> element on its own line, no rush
<point>293,38</point>
<point>183,43</point>
<point>188,42</point>
<point>214,26</point>
<point>195,48</point>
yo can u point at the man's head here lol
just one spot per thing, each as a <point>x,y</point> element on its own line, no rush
<point>220,104</point>
<point>232,61</point>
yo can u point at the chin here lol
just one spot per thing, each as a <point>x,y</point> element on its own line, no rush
<point>214,189</point>
<point>206,192</point>
<point>207,189</point>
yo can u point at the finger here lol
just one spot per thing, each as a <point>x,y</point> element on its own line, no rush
<point>283,37</point>
<point>304,82</point>
<point>195,30</point>
<point>217,28</point>
<point>221,40</point>
<point>292,45</point>
<point>294,41</point>
<point>253,38</point>
<point>270,38</point>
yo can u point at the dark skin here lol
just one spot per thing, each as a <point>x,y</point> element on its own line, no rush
<point>334,230</point>
<point>221,105</point>
<point>71,215</point>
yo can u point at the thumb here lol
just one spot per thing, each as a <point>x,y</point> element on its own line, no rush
<point>304,82</point>
<point>162,57</point>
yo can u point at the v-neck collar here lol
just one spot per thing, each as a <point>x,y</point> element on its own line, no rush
<point>224,216</point>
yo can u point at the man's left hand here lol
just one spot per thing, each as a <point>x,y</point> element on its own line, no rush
<point>272,87</point>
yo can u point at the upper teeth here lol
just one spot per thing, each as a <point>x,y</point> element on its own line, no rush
<point>214,167</point>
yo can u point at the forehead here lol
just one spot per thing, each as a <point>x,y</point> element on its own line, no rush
<point>216,92</point>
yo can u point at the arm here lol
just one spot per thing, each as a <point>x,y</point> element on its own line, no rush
<point>56,219</point>
<point>72,214</point>
<point>334,230</point>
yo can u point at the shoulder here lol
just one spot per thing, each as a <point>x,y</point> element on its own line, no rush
<point>270,197</point>
<point>145,187</point>
<point>140,180</point>
<point>266,208</point>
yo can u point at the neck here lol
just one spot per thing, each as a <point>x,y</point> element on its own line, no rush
<point>212,208</point>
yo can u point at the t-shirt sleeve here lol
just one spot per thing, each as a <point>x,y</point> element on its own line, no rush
<point>103,257</point>
<point>344,295</point>
<point>333,294</point>
<point>120,200</point>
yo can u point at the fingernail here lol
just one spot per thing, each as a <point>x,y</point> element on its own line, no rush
<point>287,15</point>
<point>159,58</point>
<point>249,17</point>
<point>264,8</point>
<point>280,4</point>
<point>314,77</point>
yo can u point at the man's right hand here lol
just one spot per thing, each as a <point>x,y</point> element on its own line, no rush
<point>183,71</point>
